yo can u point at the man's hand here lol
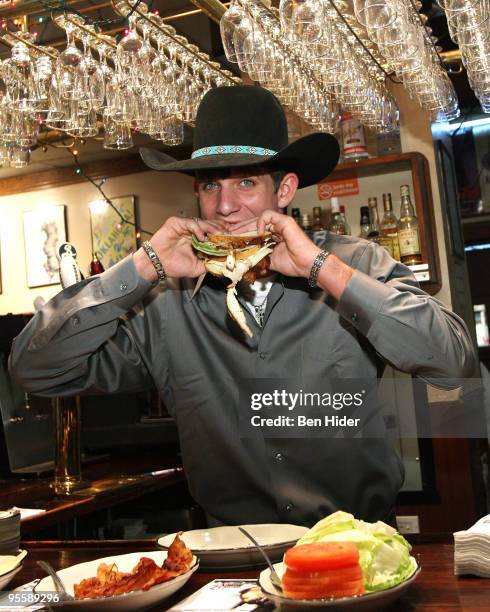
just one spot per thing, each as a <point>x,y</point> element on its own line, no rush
<point>172,244</point>
<point>295,254</point>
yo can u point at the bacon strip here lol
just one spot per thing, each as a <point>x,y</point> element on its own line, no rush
<point>143,576</point>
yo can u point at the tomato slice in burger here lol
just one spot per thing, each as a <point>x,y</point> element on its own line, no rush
<point>319,556</point>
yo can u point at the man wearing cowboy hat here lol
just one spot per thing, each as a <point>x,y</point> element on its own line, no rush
<point>341,309</point>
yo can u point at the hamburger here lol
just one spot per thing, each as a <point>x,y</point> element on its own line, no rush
<point>237,257</point>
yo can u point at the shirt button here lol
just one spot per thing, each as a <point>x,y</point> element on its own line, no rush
<point>75,321</point>
<point>279,457</point>
<point>262,355</point>
<point>123,286</point>
<point>288,507</point>
<point>354,317</point>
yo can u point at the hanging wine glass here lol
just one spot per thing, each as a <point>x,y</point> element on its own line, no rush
<point>69,60</point>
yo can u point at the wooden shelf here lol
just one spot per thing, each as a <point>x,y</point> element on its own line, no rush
<point>422,200</point>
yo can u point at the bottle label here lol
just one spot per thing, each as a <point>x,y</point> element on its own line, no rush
<point>354,143</point>
<point>396,246</point>
<point>387,243</point>
<point>408,240</point>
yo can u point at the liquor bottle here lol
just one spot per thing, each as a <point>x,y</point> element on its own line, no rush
<point>336,224</point>
<point>353,140</point>
<point>377,235</point>
<point>343,218</point>
<point>306,222</point>
<point>365,222</point>
<point>374,220</point>
<point>95,266</point>
<point>296,215</point>
<point>408,231</point>
<point>317,220</point>
<point>389,225</point>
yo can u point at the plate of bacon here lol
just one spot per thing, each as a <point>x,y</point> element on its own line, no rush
<point>122,583</point>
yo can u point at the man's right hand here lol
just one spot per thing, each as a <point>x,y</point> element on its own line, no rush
<point>172,244</point>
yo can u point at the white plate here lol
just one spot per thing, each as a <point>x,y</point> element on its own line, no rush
<point>371,601</point>
<point>227,547</point>
<point>135,600</point>
<point>11,562</point>
<point>6,578</point>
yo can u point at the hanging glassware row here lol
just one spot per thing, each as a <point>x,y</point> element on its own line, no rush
<point>325,35</point>
<point>468,22</point>
<point>310,60</point>
<point>401,37</point>
<point>320,57</point>
<point>151,81</point>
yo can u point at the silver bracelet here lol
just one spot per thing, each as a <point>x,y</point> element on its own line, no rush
<point>155,260</point>
<point>315,268</point>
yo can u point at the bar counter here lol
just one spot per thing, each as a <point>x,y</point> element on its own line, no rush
<point>435,589</point>
<point>108,483</point>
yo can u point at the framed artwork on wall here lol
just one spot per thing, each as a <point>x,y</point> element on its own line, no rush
<point>44,231</point>
<point>113,239</point>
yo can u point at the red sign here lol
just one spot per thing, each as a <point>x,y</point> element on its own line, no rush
<point>338,189</point>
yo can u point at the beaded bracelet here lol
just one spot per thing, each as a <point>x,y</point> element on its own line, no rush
<point>155,260</point>
<point>315,268</point>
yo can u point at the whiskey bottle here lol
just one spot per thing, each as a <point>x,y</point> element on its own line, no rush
<point>389,225</point>
<point>373,219</point>
<point>408,231</point>
<point>343,218</point>
<point>378,235</point>
<point>365,222</point>
<point>317,220</point>
<point>306,222</point>
<point>296,215</point>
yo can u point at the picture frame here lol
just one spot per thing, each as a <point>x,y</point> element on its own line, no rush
<point>44,231</point>
<point>112,239</point>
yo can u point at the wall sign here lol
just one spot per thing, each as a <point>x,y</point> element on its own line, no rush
<point>344,187</point>
<point>44,231</point>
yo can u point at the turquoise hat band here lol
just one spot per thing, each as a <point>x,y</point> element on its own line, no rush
<point>236,149</point>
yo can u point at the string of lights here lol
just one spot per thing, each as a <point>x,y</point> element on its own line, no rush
<point>98,24</point>
<point>79,170</point>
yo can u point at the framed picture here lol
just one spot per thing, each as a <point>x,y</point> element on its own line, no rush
<point>44,231</point>
<point>113,239</point>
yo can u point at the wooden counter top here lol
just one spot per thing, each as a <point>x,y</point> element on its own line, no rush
<point>108,483</point>
<point>435,589</point>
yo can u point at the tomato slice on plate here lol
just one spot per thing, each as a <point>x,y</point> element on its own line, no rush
<point>333,594</point>
<point>344,574</point>
<point>319,556</point>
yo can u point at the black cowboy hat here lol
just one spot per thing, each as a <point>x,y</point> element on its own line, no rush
<point>246,126</point>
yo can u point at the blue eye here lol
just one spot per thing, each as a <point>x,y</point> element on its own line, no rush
<point>247,182</point>
<point>209,186</point>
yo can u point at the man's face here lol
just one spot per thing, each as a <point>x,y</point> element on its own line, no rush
<point>236,198</point>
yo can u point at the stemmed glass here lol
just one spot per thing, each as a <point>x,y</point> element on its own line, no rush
<point>69,60</point>
<point>90,77</point>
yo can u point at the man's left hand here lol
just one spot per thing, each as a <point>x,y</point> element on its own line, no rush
<point>295,252</point>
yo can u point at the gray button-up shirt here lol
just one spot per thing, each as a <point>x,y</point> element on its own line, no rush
<point>96,337</point>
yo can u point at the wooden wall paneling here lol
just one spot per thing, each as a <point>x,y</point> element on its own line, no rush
<point>66,175</point>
